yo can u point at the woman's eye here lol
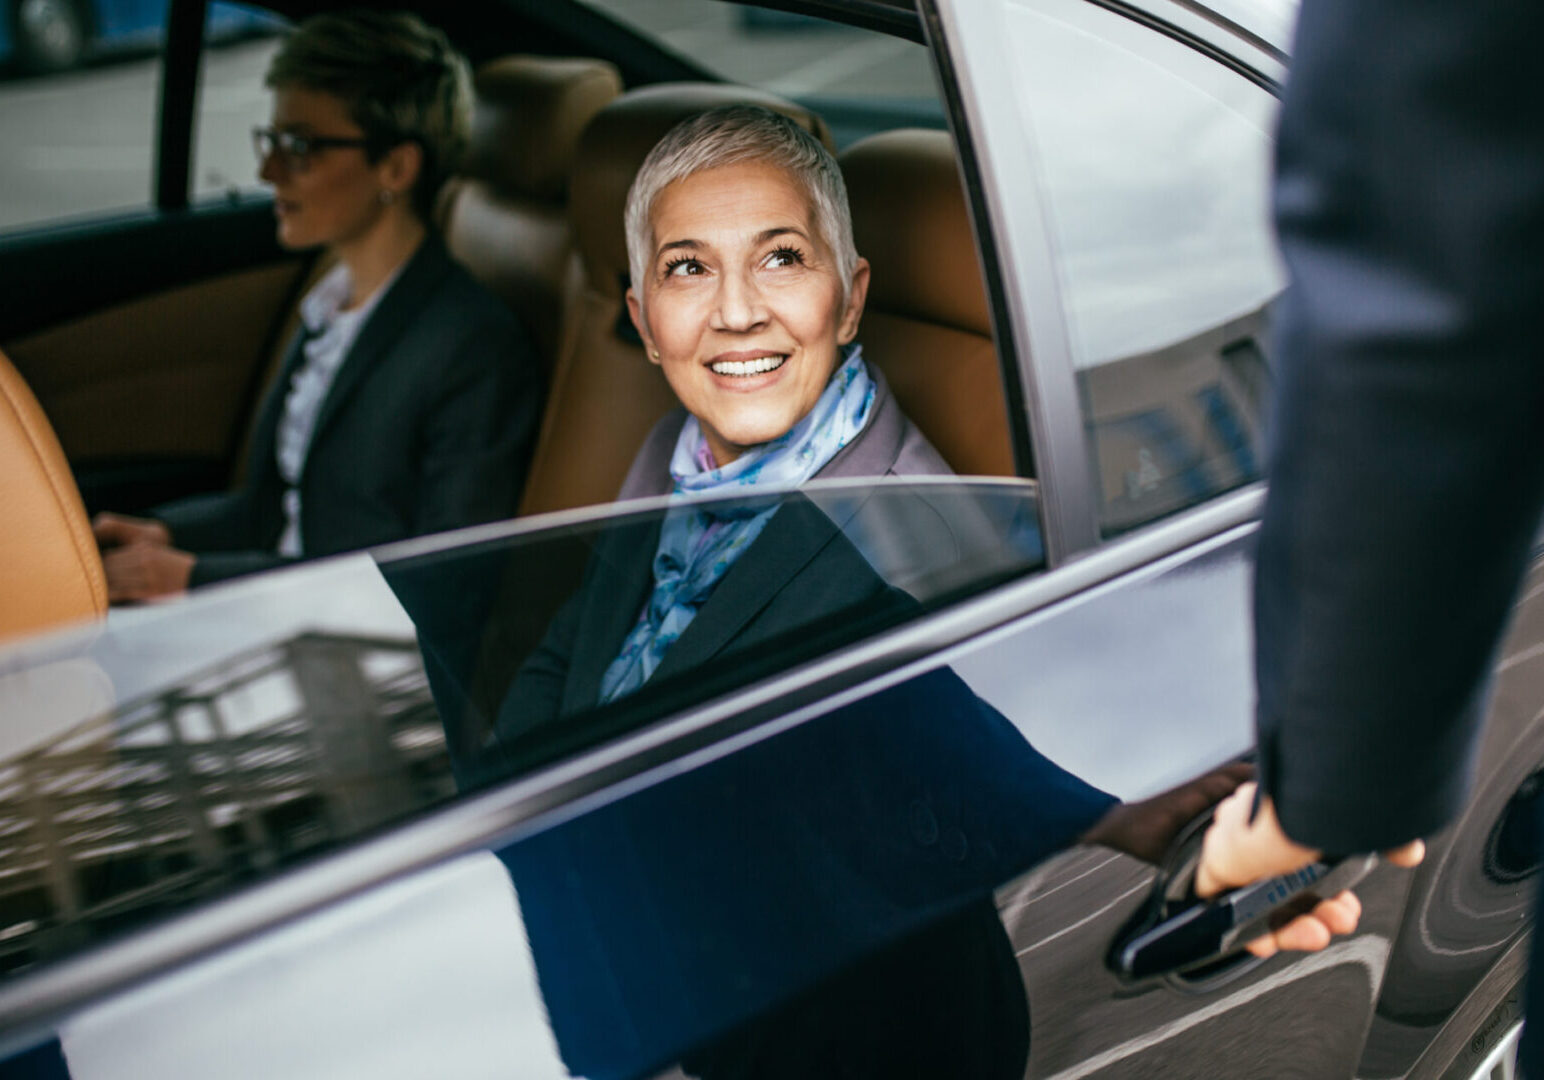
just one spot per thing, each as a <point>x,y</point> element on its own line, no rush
<point>683,268</point>
<point>785,257</point>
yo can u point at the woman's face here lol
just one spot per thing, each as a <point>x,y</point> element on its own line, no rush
<point>333,196</point>
<point>743,303</point>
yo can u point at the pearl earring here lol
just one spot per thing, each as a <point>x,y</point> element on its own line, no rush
<point>656,354</point>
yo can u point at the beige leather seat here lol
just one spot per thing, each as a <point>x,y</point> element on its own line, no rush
<point>506,218</point>
<point>927,324</point>
<point>50,572</point>
<point>605,395</point>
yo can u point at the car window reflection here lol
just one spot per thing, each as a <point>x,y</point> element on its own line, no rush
<point>833,564</point>
<point>183,752</point>
<point>805,902</point>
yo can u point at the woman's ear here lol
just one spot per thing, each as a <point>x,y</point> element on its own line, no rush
<point>635,312</point>
<point>398,170</point>
<point>857,295</point>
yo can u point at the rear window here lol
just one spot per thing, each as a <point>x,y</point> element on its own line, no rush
<point>79,94</point>
<point>858,80</point>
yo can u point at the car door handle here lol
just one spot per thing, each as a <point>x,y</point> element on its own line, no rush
<point>1176,932</point>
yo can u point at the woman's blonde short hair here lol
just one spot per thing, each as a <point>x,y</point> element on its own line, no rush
<point>729,135</point>
<point>401,80</point>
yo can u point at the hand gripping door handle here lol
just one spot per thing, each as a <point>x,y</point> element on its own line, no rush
<point>1175,932</point>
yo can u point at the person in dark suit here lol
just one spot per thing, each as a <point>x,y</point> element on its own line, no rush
<point>408,400</point>
<point>1408,470</point>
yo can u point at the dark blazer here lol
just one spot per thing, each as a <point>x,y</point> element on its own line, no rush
<point>688,912</point>
<point>1408,472</point>
<point>428,426</point>
<point>799,565</point>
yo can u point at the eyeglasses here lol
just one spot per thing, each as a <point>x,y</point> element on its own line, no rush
<point>295,150</point>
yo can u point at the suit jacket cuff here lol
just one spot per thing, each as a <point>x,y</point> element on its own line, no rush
<point>224,565</point>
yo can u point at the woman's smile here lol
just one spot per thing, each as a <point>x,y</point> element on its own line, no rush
<point>743,366</point>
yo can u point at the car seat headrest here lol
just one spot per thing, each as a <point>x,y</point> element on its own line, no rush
<point>910,221</point>
<point>529,115</point>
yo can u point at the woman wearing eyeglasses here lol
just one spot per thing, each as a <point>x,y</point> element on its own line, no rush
<point>409,398</point>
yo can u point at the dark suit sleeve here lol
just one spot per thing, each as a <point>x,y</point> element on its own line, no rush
<point>212,566</point>
<point>1409,471</point>
<point>218,529</point>
<point>480,431</point>
<point>217,522</point>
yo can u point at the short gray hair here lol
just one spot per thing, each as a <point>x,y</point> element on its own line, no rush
<point>401,80</point>
<point>730,135</point>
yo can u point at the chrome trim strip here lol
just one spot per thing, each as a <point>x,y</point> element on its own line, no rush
<point>1011,189</point>
<point>34,1003</point>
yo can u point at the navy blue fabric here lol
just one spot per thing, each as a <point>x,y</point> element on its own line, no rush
<point>688,909</point>
<point>1408,475</point>
<point>1408,471</point>
<point>44,1062</point>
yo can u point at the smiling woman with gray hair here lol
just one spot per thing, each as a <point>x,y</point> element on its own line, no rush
<point>747,292</point>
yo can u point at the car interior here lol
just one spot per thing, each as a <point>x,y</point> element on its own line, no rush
<point>150,378</point>
<point>52,573</point>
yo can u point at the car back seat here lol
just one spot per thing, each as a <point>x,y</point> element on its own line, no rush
<point>50,572</point>
<point>506,217</point>
<point>605,395</point>
<point>927,324</point>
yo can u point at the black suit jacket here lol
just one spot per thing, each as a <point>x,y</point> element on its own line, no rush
<point>428,426</point>
<point>802,568</point>
<point>1408,473</point>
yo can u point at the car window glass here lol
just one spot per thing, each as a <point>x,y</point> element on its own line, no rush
<point>1155,164</point>
<point>859,81</point>
<point>232,100</point>
<point>78,89</point>
<point>179,751</point>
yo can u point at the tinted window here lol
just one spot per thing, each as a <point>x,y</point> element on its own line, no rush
<point>232,99</point>
<point>186,749</point>
<point>859,81</point>
<point>78,91</point>
<point>79,86</point>
<point>1155,162</point>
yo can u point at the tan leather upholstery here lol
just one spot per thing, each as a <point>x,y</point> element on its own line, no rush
<point>506,218</point>
<point>165,375</point>
<point>605,395</point>
<point>50,572</point>
<point>927,325</point>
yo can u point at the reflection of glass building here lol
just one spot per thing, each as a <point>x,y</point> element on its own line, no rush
<point>271,755</point>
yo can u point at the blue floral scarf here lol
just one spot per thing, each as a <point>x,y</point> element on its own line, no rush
<point>698,545</point>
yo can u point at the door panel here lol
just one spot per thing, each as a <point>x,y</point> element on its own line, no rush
<point>120,383</point>
<point>1273,1022</point>
<point>147,340</point>
<point>1136,688</point>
